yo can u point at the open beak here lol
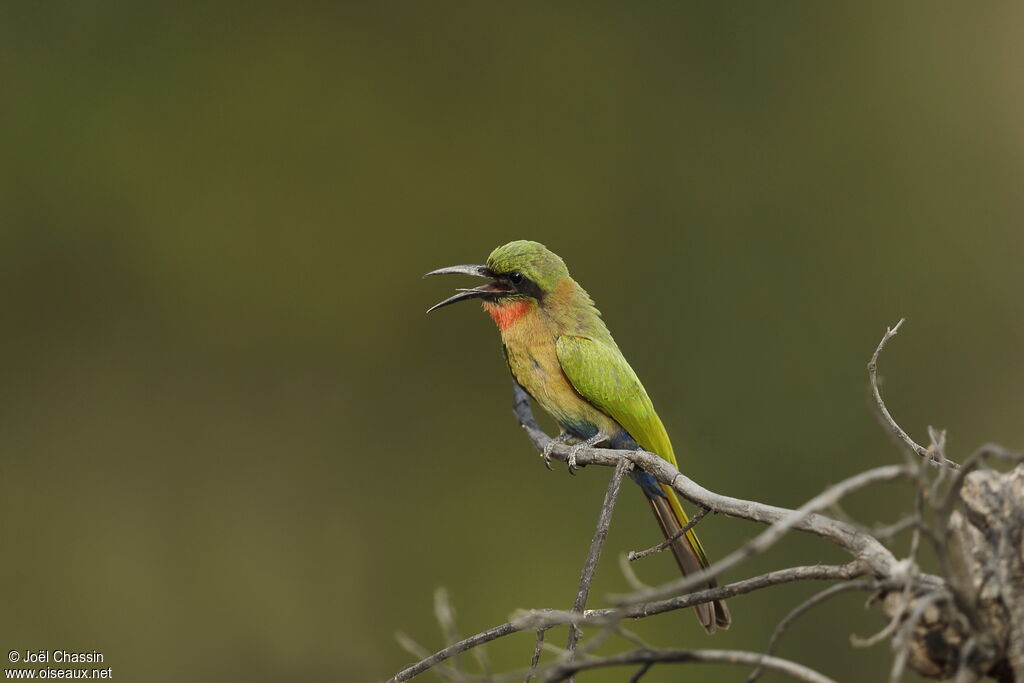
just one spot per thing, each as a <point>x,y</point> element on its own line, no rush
<point>491,290</point>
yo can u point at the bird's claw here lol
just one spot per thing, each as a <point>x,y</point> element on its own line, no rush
<point>574,451</point>
<point>549,447</point>
<point>546,455</point>
<point>572,460</point>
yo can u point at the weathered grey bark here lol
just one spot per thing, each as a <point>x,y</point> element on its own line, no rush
<point>984,636</point>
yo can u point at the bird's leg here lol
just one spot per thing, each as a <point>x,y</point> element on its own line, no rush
<point>589,443</point>
<point>550,446</point>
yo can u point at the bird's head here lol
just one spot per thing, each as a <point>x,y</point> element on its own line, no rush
<point>520,272</point>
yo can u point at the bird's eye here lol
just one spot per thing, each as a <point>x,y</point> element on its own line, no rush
<point>516,277</point>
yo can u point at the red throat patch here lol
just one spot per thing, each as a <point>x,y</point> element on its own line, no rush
<point>506,314</point>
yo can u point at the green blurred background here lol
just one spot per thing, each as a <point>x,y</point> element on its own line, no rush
<point>234,448</point>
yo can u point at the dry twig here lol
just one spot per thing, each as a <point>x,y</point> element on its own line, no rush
<point>639,555</point>
<point>804,607</point>
<point>928,455</point>
<point>596,545</point>
<point>563,671</point>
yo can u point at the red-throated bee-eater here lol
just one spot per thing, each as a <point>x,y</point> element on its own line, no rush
<point>561,353</point>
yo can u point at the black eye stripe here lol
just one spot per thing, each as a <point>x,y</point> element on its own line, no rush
<point>524,285</point>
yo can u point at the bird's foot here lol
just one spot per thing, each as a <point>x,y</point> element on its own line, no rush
<point>574,451</point>
<point>572,459</point>
<point>550,446</point>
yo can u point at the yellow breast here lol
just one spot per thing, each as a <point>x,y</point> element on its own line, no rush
<point>533,359</point>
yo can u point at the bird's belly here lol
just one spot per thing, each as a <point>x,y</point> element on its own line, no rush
<point>537,370</point>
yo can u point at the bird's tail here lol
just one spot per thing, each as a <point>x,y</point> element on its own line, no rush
<point>689,555</point>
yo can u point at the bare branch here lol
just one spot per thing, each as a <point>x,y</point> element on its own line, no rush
<point>929,455</point>
<point>627,572</point>
<point>446,619</point>
<point>902,642</point>
<point>545,619</point>
<point>634,556</point>
<point>894,529</point>
<point>640,672</point>
<point>596,545</point>
<point>564,670</point>
<point>410,645</point>
<point>887,630</point>
<point>536,654</point>
<point>856,541</point>
<point>441,655</point>
<point>964,674</point>
<point>802,608</point>
<point>772,534</point>
<point>417,650</point>
<point>908,571</point>
<point>549,618</point>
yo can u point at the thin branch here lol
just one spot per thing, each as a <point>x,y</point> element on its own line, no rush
<point>802,608</point>
<point>929,455</point>
<point>627,572</point>
<point>625,633</point>
<point>964,673</point>
<point>536,654</point>
<point>887,630</point>
<point>856,541</point>
<point>772,534</point>
<point>596,545</point>
<point>915,537</point>
<point>548,618</point>
<point>640,672</point>
<point>446,619</point>
<point>545,619</point>
<point>634,556</point>
<point>564,670</point>
<point>888,531</point>
<point>411,646</point>
<point>902,642</point>
<point>463,645</point>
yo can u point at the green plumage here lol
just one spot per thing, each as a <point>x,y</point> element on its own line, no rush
<point>602,376</point>
<point>561,352</point>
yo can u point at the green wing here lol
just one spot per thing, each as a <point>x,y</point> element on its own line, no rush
<point>602,376</point>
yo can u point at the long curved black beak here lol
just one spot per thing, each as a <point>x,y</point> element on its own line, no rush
<point>492,289</point>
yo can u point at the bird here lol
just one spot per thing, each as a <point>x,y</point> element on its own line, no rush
<point>560,351</point>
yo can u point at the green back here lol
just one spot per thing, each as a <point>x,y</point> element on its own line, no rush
<point>601,375</point>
